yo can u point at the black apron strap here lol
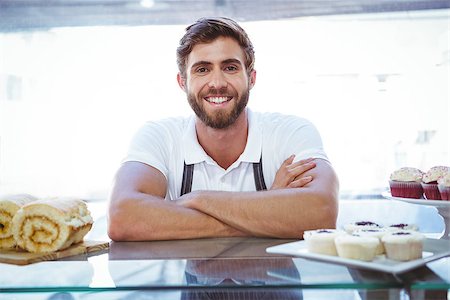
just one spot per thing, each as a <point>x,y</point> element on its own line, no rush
<point>260,184</point>
<point>188,174</point>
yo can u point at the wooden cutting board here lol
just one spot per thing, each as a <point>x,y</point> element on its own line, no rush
<point>21,257</point>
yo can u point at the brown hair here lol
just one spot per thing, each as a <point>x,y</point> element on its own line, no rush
<point>206,30</point>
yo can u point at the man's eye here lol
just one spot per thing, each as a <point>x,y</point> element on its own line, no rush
<point>202,70</point>
<point>231,68</point>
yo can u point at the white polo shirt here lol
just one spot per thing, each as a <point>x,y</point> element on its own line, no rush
<point>168,143</point>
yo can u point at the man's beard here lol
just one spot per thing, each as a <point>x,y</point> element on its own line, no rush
<point>220,119</point>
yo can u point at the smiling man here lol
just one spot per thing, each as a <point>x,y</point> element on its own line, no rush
<point>225,171</point>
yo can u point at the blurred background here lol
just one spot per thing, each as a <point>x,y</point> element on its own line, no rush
<point>78,78</point>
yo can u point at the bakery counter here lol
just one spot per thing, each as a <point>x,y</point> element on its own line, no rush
<point>227,268</point>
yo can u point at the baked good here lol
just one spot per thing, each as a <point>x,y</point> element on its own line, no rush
<point>352,227</point>
<point>403,245</point>
<point>357,247</point>
<point>402,226</point>
<point>9,205</point>
<point>322,240</point>
<point>376,233</point>
<point>406,183</point>
<point>51,224</point>
<point>429,182</point>
<point>444,187</point>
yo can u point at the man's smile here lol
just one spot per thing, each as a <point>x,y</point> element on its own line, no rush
<point>218,99</point>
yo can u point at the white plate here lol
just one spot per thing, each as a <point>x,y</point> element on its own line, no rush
<point>435,203</point>
<point>432,250</point>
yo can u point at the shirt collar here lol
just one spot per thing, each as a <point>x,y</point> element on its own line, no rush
<point>194,153</point>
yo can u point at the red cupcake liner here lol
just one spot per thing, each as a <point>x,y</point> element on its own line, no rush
<point>406,189</point>
<point>431,191</point>
<point>445,192</point>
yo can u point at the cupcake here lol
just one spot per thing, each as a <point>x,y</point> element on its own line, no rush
<point>376,233</point>
<point>403,245</point>
<point>361,225</point>
<point>429,182</point>
<point>406,183</point>
<point>444,187</point>
<point>357,247</point>
<point>321,241</point>
<point>402,226</point>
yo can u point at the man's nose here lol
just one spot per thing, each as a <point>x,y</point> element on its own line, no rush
<point>217,80</point>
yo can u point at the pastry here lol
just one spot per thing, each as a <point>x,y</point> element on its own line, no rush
<point>9,205</point>
<point>444,187</point>
<point>51,224</point>
<point>357,247</point>
<point>351,227</point>
<point>403,245</point>
<point>406,183</point>
<point>402,226</point>
<point>429,182</point>
<point>376,233</point>
<point>321,241</point>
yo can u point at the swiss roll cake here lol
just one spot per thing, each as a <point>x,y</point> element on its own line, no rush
<point>9,205</point>
<point>52,224</point>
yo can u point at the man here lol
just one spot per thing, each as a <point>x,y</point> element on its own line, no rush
<point>206,176</point>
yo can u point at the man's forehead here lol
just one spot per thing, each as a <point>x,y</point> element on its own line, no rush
<point>220,50</point>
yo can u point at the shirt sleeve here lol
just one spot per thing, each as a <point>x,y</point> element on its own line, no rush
<point>150,145</point>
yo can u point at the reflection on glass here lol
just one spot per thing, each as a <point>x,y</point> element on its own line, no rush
<point>228,277</point>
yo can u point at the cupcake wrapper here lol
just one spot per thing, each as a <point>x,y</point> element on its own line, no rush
<point>445,192</point>
<point>431,191</point>
<point>406,189</point>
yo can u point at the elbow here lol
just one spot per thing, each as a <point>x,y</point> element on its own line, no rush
<point>117,224</point>
<point>327,210</point>
<point>115,230</point>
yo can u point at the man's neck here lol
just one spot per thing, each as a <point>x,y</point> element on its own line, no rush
<point>224,145</point>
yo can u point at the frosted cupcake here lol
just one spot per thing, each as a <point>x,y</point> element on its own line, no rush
<point>357,247</point>
<point>429,182</point>
<point>444,187</point>
<point>376,233</point>
<point>403,245</point>
<point>406,183</point>
<point>321,241</point>
<point>402,226</point>
<point>361,225</point>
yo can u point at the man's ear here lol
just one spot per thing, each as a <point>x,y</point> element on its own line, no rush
<point>252,79</point>
<point>181,82</point>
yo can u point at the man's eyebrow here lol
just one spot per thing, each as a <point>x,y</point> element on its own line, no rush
<point>201,63</point>
<point>232,61</point>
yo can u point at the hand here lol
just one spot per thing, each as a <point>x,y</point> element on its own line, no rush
<point>291,175</point>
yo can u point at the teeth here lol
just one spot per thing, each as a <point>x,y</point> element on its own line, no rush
<point>217,99</point>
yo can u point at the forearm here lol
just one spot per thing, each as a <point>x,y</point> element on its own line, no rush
<point>281,213</point>
<point>140,216</point>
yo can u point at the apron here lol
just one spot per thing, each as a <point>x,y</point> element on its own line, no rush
<point>188,173</point>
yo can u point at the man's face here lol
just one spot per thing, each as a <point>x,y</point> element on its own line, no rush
<point>217,84</point>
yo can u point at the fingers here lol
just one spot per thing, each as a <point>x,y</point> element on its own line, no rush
<point>300,182</point>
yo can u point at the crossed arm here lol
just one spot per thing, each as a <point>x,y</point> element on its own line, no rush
<point>302,197</point>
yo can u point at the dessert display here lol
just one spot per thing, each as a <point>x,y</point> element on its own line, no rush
<point>429,182</point>
<point>376,233</point>
<point>444,186</point>
<point>51,224</point>
<point>9,205</point>
<point>366,241</point>
<point>403,245</point>
<point>357,247</point>
<point>322,240</point>
<point>352,227</point>
<point>406,183</point>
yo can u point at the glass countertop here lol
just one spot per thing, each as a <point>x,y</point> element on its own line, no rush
<point>194,269</point>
